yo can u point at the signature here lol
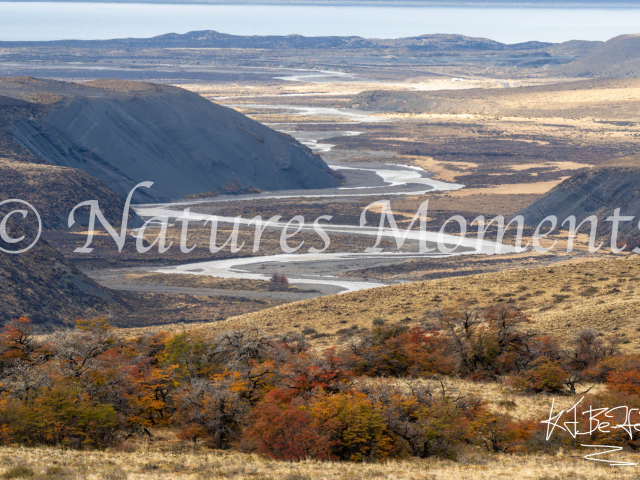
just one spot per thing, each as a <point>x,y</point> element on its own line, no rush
<point>603,420</point>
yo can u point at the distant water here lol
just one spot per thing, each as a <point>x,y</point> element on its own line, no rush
<point>57,21</point>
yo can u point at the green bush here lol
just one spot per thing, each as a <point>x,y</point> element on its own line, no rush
<point>58,417</point>
<point>19,471</point>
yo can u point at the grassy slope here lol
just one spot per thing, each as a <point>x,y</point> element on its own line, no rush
<point>201,464</point>
<point>561,300</point>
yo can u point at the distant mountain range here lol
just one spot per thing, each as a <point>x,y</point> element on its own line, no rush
<point>434,44</point>
<point>213,39</point>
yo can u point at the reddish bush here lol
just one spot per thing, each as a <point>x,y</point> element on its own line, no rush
<point>304,373</point>
<point>626,382</point>
<point>275,395</point>
<point>496,432</point>
<point>611,366</point>
<point>397,350</point>
<point>285,430</point>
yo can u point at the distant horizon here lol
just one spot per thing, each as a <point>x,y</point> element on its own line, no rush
<point>118,39</point>
<point>52,20</point>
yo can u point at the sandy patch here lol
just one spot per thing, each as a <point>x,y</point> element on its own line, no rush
<point>537,188</point>
<point>554,165</point>
<point>441,169</point>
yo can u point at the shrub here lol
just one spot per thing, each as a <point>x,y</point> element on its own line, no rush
<point>397,350</point>
<point>275,395</point>
<point>626,382</point>
<point>496,432</point>
<point>19,471</point>
<point>279,278</point>
<point>614,416</point>
<point>306,374</point>
<point>213,410</point>
<point>284,430</point>
<point>612,366</point>
<point>55,472</point>
<point>542,376</point>
<point>507,404</point>
<point>356,426</point>
<point>58,416</point>
<point>433,428</point>
<point>589,291</point>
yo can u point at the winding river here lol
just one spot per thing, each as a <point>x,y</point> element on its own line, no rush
<point>319,269</point>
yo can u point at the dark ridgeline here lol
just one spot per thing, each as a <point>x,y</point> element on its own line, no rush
<point>597,191</point>
<point>124,133</point>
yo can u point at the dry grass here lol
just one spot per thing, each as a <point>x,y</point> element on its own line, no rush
<point>499,397</point>
<point>561,300</point>
<point>184,462</point>
<point>175,309</point>
<point>586,98</point>
<point>202,281</point>
<point>443,170</point>
<point>448,172</point>
<point>537,188</point>
<point>556,165</point>
<point>259,93</point>
<point>484,202</point>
